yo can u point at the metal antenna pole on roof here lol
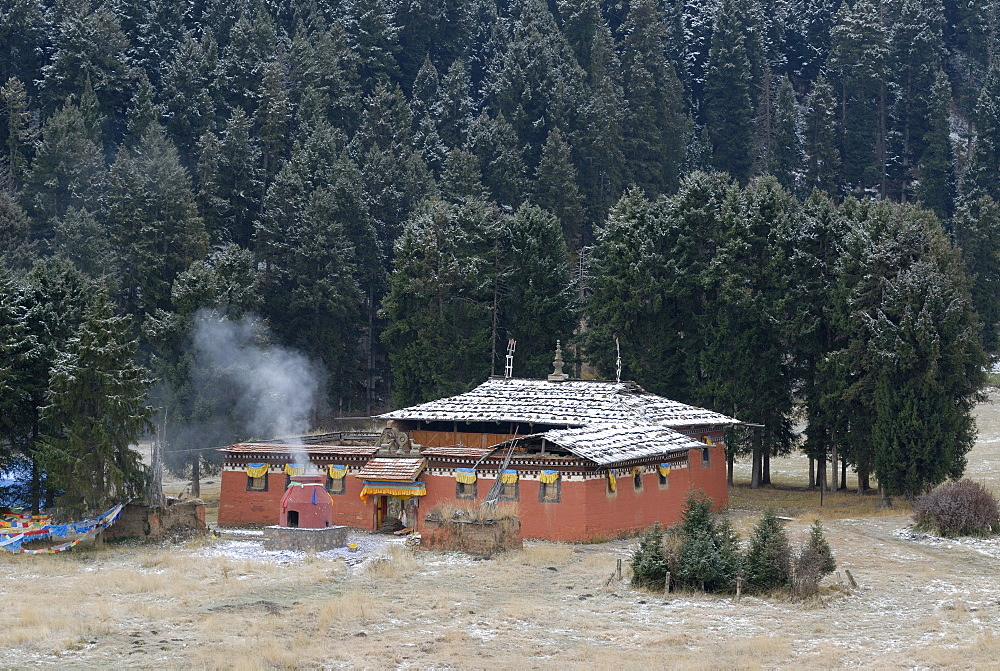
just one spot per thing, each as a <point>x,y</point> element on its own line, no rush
<point>508,369</point>
<point>618,364</point>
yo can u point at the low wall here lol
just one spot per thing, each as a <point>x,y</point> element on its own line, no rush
<point>304,539</point>
<point>153,523</point>
<point>483,539</point>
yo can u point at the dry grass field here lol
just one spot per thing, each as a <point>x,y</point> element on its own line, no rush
<point>921,603</point>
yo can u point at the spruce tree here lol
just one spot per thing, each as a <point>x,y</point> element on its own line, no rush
<point>314,237</point>
<point>823,164</point>
<point>912,362</point>
<point>439,301</point>
<point>602,170</point>
<point>536,82</point>
<point>556,189</point>
<point>17,251</point>
<point>984,168</point>
<point>914,58</point>
<point>190,82</point>
<point>788,163</point>
<point>537,305</point>
<point>728,111</point>
<point>494,141</point>
<point>655,129</point>
<point>96,410</point>
<point>936,168</point>
<point>89,46</point>
<point>68,171</point>
<point>858,60</point>
<point>768,558</point>
<point>15,118</point>
<point>82,239</point>
<point>976,227</point>
<point>153,221</point>
<point>743,363</point>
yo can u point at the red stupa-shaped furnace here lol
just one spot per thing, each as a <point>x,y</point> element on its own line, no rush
<point>306,503</point>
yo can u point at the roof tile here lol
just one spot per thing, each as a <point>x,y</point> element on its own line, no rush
<point>398,469</point>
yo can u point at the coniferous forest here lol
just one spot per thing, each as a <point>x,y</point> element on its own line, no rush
<point>762,205</point>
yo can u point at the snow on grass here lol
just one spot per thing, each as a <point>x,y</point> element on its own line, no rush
<point>252,549</point>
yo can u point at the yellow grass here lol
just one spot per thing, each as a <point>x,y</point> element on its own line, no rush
<point>920,605</point>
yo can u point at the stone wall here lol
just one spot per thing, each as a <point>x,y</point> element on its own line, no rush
<point>304,540</point>
<point>480,539</point>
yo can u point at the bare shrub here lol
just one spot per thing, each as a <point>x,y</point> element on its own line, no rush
<point>472,512</point>
<point>958,508</point>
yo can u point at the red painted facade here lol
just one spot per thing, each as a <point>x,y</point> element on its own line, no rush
<point>586,509</point>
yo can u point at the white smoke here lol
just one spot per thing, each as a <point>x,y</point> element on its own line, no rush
<point>273,389</point>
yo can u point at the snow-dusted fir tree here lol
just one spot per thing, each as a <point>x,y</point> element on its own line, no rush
<point>96,410</point>
<point>936,168</point>
<point>976,227</point>
<point>983,173</point>
<point>822,151</point>
<point>728,103</point>
<point>912,362</point>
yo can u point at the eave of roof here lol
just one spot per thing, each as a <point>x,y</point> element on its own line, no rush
<point>289,450</point>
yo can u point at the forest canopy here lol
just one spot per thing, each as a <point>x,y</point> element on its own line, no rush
<point>764,202</point>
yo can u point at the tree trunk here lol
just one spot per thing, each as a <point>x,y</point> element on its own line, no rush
<point>196,477</point>
<point>730,460</point>
<point>864,484</point>
<point>843,474</point>
<point>821,473</point>
<point>812,473</point>
<point>885,501</point>
<point>833,468</point>
<point>36,488</point>
<point>755,469</point>
<point>765,471</point>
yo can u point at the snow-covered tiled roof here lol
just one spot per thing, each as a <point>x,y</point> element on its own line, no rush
<point>572,403</point>
<point>606,444</point>
<point>401,469</point>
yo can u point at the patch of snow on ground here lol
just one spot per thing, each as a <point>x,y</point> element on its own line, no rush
<point>252,548</point>
<point>986,546</point>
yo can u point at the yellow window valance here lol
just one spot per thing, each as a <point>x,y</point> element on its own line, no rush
<point>337,471</point>
<point>256,470</point>
<point>467,476</point>
<point>292,469</point>
<point>509,477</point>
<point>664,469</point>
<point>636,470</point>
<point>612,482</point>
<point>707,440</point>
<point>548,477</point>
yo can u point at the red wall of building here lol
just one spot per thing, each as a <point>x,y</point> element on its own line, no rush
<point>239,507</point>
<point>586,510</point>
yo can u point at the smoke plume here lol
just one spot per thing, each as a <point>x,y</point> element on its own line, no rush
<point>272,390</point>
